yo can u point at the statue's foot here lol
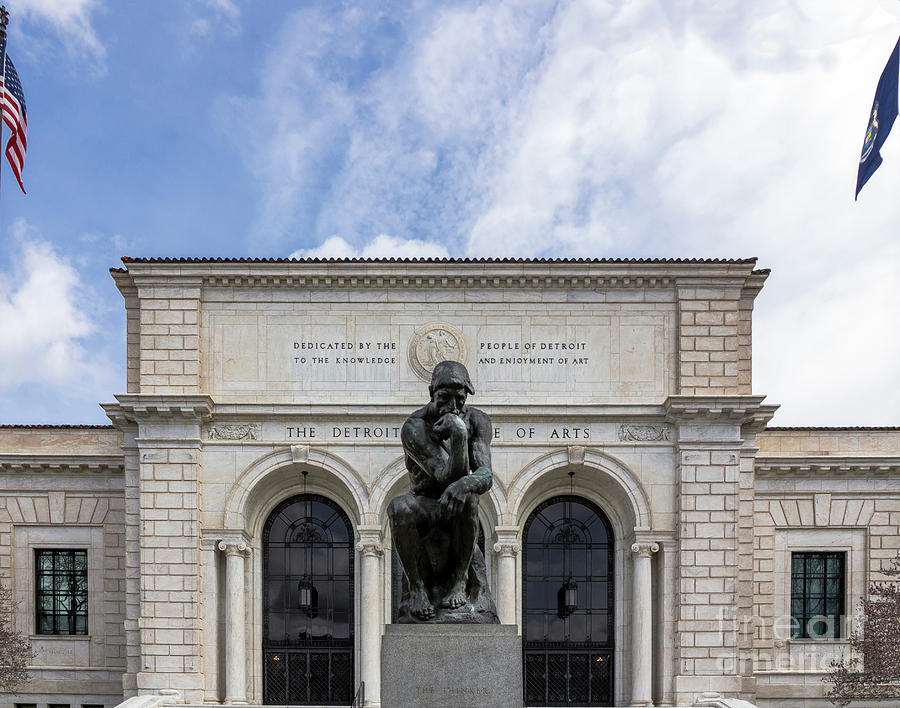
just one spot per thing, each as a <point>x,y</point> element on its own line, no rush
<point>419,605</point>
<point>456,597</point>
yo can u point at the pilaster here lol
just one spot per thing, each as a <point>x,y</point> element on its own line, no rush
<point>163,541</point>
<point>715,493</point>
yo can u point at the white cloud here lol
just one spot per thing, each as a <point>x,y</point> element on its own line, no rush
<point>636,126</point>
<point>382,246</point>
<point>201,27</point>
<point>210,14</point>
<point>44,310</point>
<point>832,354</point>
<point>601,128</point>
<point>226,8</point>
<point>360,133</point>
<point>72,22</point>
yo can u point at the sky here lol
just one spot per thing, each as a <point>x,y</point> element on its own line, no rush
<point>572,128</point>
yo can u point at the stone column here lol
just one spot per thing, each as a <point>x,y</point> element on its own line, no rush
<point>235,621</point>
<point>642,625</point>
<point>507,550</point>
<point>371,551</point>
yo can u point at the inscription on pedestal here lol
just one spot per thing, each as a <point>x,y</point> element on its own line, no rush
<point>451,666</point>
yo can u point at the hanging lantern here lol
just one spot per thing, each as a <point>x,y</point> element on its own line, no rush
<point>309,596</point>
<point>567,598</point>
<point>567,595</point>
<point>571,588</point>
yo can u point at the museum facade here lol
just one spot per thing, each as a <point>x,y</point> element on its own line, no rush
<point>226,536</point>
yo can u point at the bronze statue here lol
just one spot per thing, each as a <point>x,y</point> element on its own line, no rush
<point>435,525</point>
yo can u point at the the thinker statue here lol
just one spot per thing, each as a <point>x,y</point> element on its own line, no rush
<point>435,525</point>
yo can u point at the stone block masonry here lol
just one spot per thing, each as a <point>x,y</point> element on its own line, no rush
<point>714,540</point>
<point>169,337</point>
<point>714,338</point>
<point>163,533</point>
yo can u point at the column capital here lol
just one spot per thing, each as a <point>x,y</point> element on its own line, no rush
<point>644,549</point>
<point>370,540</point>
<point>233,548</point>
<point>370,547</point>
<point>507,548</point>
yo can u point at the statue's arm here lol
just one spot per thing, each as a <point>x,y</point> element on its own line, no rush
<point>482,476</point>
<point>422,449</point>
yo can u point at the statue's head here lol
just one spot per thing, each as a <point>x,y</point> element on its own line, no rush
<point>450,384</point>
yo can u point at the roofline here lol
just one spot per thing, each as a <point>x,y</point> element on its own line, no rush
<point>438,261</point>
<point>61,426</point>
<point>832,429</point>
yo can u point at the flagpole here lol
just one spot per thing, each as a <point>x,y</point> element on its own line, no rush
<point>4,20</point>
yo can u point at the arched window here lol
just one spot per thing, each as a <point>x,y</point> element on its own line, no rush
<point>567,599</point>
<point>308,603</point>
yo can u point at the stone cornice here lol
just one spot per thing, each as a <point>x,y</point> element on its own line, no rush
<point>135,407</point>
<point>62,464</point>
<point>738,410</point>
<point>833,466</point>
<point>510,274</point>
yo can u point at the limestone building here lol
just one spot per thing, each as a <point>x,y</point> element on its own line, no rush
<point>226,536</point>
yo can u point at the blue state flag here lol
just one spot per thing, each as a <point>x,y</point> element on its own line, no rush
<point>881,118</point>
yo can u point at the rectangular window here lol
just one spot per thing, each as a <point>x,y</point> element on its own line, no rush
<point>61,591</point>
<point>26,705</point>
<point>817,595</point>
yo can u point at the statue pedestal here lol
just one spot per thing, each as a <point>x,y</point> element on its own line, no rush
<point>451,666</point>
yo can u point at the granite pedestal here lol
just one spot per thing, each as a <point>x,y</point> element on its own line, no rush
<point>451,666</point>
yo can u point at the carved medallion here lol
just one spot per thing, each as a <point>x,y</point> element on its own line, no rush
<point>434,343</point>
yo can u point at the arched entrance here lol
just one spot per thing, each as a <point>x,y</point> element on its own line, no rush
<point>307,637</point>
<point>568,608</point>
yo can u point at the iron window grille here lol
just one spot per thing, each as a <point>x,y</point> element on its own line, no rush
<point>817,595</point>
<point>568,649</point>
<point>61,594</point>
<point>308,651</point>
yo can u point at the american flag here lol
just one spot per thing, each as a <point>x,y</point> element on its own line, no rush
<point>14,115</point>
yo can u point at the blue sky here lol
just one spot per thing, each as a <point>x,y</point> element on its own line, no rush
<point>581,128</point>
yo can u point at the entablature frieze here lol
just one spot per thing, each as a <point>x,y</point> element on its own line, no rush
<point>575,427</point>
<point>458,282</point>
<point>62,464</point>
<point>832,466</point>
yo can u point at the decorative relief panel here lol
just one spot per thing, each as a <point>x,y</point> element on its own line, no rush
<point>234,431</point>
<point>644,433</point>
